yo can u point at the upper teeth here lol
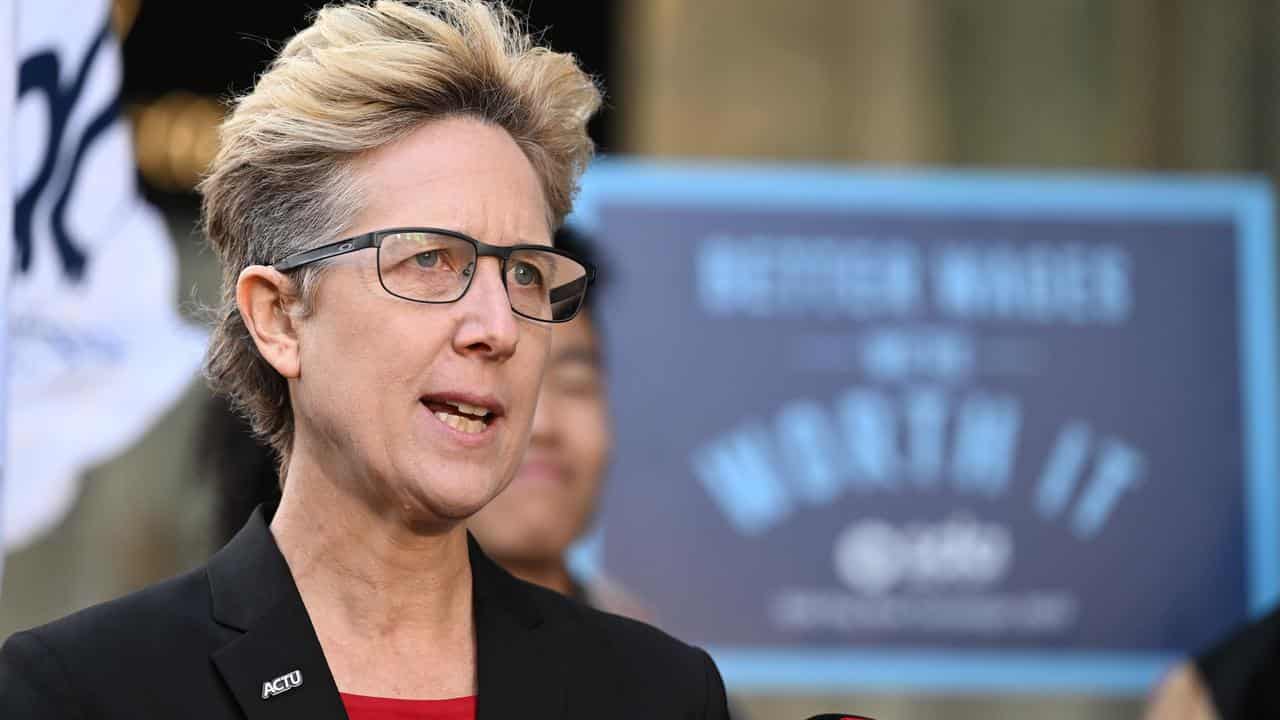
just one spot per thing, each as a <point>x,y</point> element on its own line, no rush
<point>471,409</point>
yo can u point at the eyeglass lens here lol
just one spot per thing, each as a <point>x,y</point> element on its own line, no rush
<point>437,268</point>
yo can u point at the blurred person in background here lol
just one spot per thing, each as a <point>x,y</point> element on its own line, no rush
<point>550,504</point>
<point>393,361</point>
<point>1236,679</point>
<point>529,527</point>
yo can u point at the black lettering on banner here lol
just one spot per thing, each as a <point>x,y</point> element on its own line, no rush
<point>39,73</point>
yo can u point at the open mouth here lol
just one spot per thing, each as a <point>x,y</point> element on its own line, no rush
<point>461,416</point>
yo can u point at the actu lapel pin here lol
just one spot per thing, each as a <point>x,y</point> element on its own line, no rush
<point>284,683</point>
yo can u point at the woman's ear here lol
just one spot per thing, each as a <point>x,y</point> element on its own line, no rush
<point>266,298</point>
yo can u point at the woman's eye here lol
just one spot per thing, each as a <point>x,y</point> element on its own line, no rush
<point>526,274</point>
<point>427,259</point>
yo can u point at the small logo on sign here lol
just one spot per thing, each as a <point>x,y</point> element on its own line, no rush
<point>874,556</point>
<point>284,683</point>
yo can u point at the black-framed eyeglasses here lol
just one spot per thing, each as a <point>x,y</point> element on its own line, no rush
<point>432,265</point>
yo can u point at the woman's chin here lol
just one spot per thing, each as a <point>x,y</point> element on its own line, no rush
<point>441,503</point>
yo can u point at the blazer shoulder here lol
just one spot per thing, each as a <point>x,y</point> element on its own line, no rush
<point>650,659</point>
<point>159,626</point>
<point>33,683</point>
<point>166,606</point>
<point>636,635</point>
<point>55,669</point>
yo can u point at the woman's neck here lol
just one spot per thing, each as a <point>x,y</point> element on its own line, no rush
<point>378,592</point>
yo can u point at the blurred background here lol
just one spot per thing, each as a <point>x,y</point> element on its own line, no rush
<point>1113,85</point>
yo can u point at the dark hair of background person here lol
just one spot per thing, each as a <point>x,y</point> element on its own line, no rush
<point>242,469</point>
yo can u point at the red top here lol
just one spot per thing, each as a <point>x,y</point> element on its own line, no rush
<point>363,707</point>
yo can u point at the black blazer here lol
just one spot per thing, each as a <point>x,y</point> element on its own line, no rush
<point>210,644</point>
<point>1242,671</point>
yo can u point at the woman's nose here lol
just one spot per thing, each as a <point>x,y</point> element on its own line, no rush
<point>488,325</point>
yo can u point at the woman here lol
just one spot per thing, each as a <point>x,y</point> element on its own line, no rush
<point>383,204</point>
<point>529,528</point>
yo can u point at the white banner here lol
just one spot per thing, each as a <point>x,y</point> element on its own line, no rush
<point>97,350</point>
<point>8,93</point>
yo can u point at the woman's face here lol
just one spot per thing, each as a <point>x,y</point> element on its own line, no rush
<point>379,376</point>
<point>555,489</point>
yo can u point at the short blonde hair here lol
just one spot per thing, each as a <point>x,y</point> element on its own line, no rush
<point>361,76</point>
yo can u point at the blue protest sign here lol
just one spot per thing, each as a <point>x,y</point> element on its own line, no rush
<point>939,431</point>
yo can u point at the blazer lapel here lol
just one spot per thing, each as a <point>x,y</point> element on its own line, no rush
<point>520,664</point>
<point>276,669</point>
<point>520,672</point>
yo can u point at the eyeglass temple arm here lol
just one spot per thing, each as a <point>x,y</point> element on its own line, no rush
<point>569,289</point>
<point>324,252</point>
